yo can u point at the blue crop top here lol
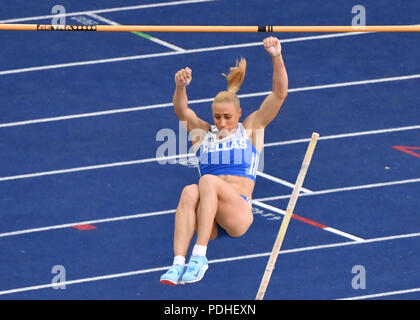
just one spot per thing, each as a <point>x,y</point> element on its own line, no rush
<point>233,155</point>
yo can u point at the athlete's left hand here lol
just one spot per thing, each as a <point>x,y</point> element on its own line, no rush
<point>272,46</point>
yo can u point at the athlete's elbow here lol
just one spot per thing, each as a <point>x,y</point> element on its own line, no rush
<point>280,95</point>
<point>180,110</point>
<point>278,98</point>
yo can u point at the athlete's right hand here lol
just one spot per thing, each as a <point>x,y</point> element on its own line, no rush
<point>183,77</point>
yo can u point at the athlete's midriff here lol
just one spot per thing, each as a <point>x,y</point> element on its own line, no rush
<point>243,185</point>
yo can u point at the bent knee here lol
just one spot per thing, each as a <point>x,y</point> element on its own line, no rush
<point>240,230</point>
<point>190,195</point>
<point>207,180</point>
<point>236,233</point>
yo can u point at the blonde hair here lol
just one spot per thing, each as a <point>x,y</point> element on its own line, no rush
<point>234,79</point>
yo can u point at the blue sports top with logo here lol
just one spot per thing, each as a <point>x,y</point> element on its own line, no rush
<point>232,155</point>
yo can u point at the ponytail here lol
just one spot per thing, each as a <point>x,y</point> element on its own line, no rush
<point>234,79</point>
<point>236,76</point>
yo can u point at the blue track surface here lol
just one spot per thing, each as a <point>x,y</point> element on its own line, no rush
<point>360,92</point>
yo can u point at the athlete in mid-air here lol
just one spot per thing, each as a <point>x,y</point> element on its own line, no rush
<point>228,153</point>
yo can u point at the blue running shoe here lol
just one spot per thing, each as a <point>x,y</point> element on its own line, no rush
<point>197,267</point>
<point>173,275</point>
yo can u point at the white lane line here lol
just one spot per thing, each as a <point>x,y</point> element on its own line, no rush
<point>94,167</point>
<point>281,181</point>
<point>343,234</point>
<point>89,62</point>
<point>167,44</point>
<point>179,156</point>
<point>127,8</point>
<point>324,36</point>
<point>320,247</point>
<point>223,260</point>
<point>147,214</point>
<point>343,189</point>
<point>97,278</point>
<point>84,115</point>
<point>382,294</point>
<point>163,54</point>
<point>153,39</point>
<point>344,135</point>
<point>97,221</point>
<point>357,83</point>
<point>207,100</point>
<point>329,229</point>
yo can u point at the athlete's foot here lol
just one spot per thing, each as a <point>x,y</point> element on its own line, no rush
<point>197,267</point>
<point>173,275</point>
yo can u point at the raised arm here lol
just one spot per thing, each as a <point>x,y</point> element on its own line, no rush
<point>273,102</point>
<point>180,100</point>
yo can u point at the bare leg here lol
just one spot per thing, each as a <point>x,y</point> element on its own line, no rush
<point>221,203</point>
<point>185,219</point>
<point>207,209</point>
